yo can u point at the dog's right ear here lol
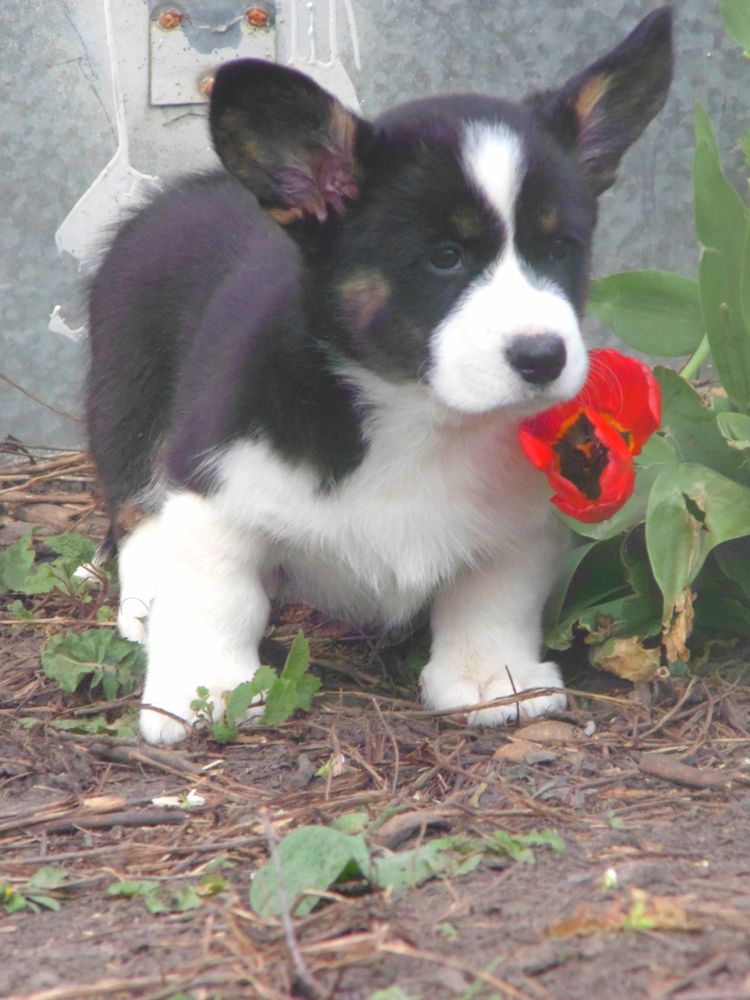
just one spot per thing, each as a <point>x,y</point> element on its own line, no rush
<point>291,142</point>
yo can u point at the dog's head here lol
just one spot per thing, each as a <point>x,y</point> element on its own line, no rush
<point>451,236</point>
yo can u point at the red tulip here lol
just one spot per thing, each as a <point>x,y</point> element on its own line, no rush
<point>586,446</point>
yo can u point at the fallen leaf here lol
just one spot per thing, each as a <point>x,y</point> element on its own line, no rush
<point>677,631</point>
<point>627,658</point>
<point>515,750</point>
<point>640,912</point>
<point>551,731</point>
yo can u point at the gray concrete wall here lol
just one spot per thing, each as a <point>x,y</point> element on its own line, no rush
<point>64,118</point>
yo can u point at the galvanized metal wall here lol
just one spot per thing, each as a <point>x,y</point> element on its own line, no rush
<point>92,110</point>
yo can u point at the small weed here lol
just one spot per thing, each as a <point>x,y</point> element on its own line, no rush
<point>519,846</point>
<point>160,899</point>
<point>314,858</point>
<point>283,694</point>
<point>36,893</point>
<point>448,931</point>
<point>96,656</point>
<point>21,574</point>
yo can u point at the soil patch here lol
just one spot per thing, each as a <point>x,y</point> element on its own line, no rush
<point>649,897</point>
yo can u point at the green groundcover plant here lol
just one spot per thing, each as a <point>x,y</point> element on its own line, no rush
<point>670,570</point>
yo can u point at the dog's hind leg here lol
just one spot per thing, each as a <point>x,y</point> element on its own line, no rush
<point>208,614</point>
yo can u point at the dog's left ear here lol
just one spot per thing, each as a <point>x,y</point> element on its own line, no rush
<point>602,111</point>
<point>287,139</point>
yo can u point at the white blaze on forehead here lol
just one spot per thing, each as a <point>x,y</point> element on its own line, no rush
<point>470,370</point>
<point>493,160</point>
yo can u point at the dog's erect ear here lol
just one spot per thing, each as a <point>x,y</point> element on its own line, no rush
<point>602,111</point>
<point>291,142</point>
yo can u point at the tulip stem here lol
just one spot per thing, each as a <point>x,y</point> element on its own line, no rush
<point>694,363</point>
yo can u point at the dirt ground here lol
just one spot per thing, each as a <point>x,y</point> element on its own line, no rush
<point>649,791</point>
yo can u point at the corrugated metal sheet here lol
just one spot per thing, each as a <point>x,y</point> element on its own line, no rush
<point>87,125</point>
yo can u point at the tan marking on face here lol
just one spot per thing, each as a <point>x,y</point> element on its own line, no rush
<point>467,223</point>
<point>548,221</point>
<point>589,96</point>
<point>362,295</point>
<point>343,128</point>
<point>285,216</point>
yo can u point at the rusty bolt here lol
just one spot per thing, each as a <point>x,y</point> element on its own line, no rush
<point>206,84</point>
<point>257,17</point>
<point>171,19</point>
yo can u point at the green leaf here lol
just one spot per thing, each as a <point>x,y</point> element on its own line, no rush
<point>12,900</point>
<point>19,610</point>
<point>691,510</point>
<point>733,559</point>
<point>72,548</point>
<point>633,614</point>
<point>723,608</point>
<point>745,143</point>
<point>294,689</point>
<point>721,223</point>
<point>736,15</point>
<point>745,282</point>
<point>18,572</point>
<point>47,878</point>
<point>97,655</point>
<point>48,902</point>
<point>311,857</point>
<point>134,887</point>
<point>443,857</point>
<point>693,430</point>
<point>735,429</point>
<point>187,898</point>
<point>519,846</point>
<point>657,312</point>
<point>559,596</point>
<point>245,694</point>
<point>352,822</point>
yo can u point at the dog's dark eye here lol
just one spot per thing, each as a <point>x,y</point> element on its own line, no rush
<point>446,257</point>
<point>560,247</point>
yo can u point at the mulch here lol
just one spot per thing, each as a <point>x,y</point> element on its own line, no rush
<point>649,789</point>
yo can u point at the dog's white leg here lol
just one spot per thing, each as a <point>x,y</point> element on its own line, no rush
<point>487,637</point>
<point>137,573</point>
<point>208,614</point>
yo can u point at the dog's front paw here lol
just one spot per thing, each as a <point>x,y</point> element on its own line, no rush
<point>541,675</point>
<point>131,619</point>
<point>185,706</point>
<point>442,690</point>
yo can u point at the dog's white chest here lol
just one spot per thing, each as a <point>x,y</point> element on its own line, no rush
<point>427,501</point>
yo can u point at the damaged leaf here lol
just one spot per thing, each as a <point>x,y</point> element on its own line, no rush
<point>691,509</point>
<point>678,629</point>
<point>627,658</point>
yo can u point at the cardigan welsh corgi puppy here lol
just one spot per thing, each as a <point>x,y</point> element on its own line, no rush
<point>309,367</point>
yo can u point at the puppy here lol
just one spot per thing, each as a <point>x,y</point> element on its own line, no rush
<point>310,368</point>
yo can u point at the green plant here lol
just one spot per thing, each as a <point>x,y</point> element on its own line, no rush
<point>311,859</point>
<point>673,564</point>
<point>21,574</point>
<point>162,899</point>
<point>41,891</point>
<point>283,694</point>
<point>98,657</point>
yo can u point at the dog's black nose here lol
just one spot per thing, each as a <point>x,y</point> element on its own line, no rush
<point>538,358</point>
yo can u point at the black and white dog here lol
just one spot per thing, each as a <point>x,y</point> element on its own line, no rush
<point>311,366</point>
